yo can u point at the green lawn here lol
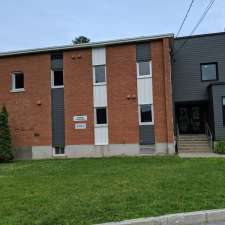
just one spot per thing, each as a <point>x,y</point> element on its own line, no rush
<point>88,191</point>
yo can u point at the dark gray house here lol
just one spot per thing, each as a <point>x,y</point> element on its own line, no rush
<point>199,89</point>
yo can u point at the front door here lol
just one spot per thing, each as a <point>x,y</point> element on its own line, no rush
<point>190,119</point>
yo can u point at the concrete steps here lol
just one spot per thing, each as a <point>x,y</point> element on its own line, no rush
<point>194,143</point>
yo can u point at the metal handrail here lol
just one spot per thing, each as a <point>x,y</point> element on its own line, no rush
<point>178,137</point>
<point>208,132</point>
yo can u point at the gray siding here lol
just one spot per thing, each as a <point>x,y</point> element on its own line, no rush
<point>143,52</point>
<point>58,122</point>
<point>218,91</point>
<point>57,61</point>
<point>187,84</point>
<point>147,135</point>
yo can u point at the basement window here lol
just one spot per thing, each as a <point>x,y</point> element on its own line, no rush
<point>59,150</point>
<point>144,69</point>
<point>17,81</point>
<point>57,79</point>
<point>209,71</point>
<point>101,116</point>
<point>100,74</point>
<point>145,114</point>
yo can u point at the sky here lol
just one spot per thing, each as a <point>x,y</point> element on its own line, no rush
<point>26,24</point>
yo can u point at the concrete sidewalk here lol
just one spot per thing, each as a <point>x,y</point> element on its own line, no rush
<point>208,217</point>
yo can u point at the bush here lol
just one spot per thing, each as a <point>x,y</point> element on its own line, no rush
<point>6,153</point>
<point>220,147</point>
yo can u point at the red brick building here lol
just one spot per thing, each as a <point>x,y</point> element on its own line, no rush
<point>90,100</point>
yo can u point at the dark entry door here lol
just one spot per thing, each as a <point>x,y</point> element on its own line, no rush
<point>190,119</point>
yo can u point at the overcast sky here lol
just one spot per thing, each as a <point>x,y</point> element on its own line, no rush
<point>41,23</point>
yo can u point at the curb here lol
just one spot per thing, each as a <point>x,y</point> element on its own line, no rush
<point>192,218</point>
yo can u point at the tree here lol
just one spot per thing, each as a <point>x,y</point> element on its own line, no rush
<point>6,153</point>
<point>80,40</point>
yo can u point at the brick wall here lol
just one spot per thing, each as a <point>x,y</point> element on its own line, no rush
<point>78,94</point>
<point>26,117</point>
<point>162,91</point>
<point>122,81</point>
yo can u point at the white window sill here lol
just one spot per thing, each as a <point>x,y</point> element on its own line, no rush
<point>146,123</point>
<point>101,125</point>
<point>60,86</point>
<point>17,90</point>
<point>103,144</point>
<point>99,84</point>
<point>144,76</point>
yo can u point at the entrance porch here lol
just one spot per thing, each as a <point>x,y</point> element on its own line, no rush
<point>193,133</point>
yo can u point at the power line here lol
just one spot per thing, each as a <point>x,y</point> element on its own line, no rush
<point>203,16</point>
<point>185,17</point>
<point>197,25</point>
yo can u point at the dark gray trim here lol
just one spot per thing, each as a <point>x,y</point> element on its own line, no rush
<point>143,52</point>
<point>87,45</point>
<point>146,134</point>
<point>57,61</point>
<point>217,92</point>
<point>58,121</point>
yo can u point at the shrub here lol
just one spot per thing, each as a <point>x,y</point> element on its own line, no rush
<point>220,147</point>
<point>6,153</point>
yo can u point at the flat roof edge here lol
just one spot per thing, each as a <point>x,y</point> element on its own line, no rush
<point>200,35</point>
<point>87,45</point>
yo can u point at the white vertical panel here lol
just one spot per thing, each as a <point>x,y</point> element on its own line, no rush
<point>144,86</point>
<point>101,135</point>
<point>100,96</point>
<point>98,56</point>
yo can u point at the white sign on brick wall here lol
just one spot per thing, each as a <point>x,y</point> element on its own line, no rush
<point>80,126</point>
<point>80,118</point>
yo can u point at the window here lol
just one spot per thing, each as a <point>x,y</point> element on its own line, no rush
<point>57,78</point>
<point>209,71</point>
<point>59,150</point>
<point>101,116</point>
<point>145,114</point>
<point>18,81</point>
<point>223,105</point>
<point>144,69</point>
<point>99,74</point>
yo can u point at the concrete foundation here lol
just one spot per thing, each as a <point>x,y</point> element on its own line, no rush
<point>42,152</point>
<point>92,151</point>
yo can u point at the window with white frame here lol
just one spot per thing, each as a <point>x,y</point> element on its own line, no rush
<point>57,78</point>
<point>145,114</point>
<point>17,81</point>
<point>99,74</point>
<point>101,116</point>
<point>144,69</point>
<point>59,150</point>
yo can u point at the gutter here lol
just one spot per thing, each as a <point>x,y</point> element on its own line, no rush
<point>86,45</point>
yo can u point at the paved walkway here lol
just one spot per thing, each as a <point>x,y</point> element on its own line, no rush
<point>201,155</point>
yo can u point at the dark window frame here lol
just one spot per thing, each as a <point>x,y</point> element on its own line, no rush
<point>223,110</point>
<point>217,71</point>
<point>96,117</point>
